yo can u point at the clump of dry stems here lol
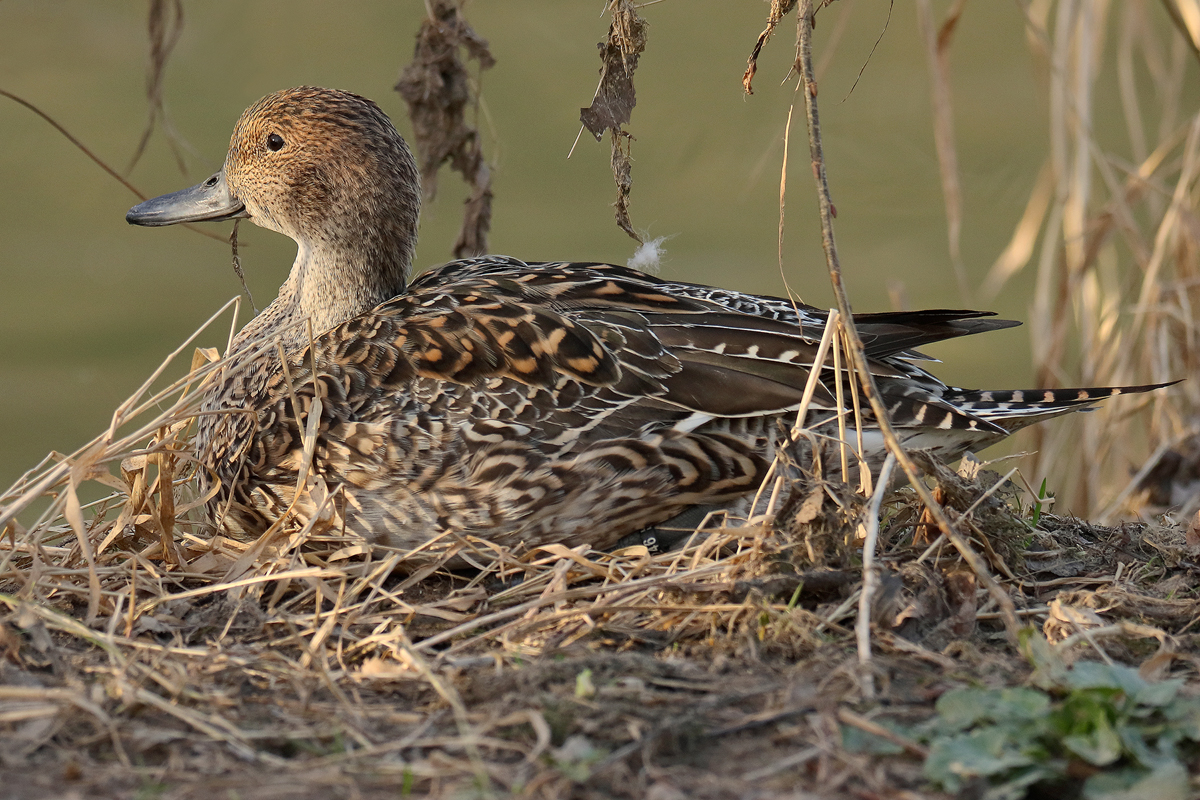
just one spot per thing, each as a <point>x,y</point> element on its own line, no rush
<point>1112,231</point>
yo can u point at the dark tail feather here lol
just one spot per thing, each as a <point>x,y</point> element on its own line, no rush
<point>896,332</point>
<point>1034,403</point>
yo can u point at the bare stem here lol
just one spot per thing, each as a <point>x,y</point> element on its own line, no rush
<point>804,68</point>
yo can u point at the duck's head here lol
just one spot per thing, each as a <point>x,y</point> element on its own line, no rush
<point>322,166</point>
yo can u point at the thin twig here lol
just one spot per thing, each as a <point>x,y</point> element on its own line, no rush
<point>237,265</point>
<point>99,162</point>
<point>857,354</point>
<point>870,578</point>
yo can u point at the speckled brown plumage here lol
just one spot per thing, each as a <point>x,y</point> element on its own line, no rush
<point>519,403</point>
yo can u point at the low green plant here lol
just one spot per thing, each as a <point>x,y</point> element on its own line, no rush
<point>1131,737</point>
<point>1042,495</point>
<point>150,790</point>
<point>576,757</point>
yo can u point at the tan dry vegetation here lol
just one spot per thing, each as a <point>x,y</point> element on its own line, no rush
<point>143,652</point>
<point>1111,230</point>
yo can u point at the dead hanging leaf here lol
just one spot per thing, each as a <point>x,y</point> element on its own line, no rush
<point>622,167</point>
<point>477,215</point>
<point>615,98</point>
<point>165,27</point>
<point>779,10</point>
<point>438,90</point>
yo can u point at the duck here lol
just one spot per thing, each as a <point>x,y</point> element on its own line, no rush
<point>497,402</point>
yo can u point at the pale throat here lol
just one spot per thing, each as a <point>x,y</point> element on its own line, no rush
<point>327,286</point>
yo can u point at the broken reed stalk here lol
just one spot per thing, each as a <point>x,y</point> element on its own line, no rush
<point>937,47</point>
<point>165,26</point>
<point>804,67</point>
<point>106,447</point>
<point>870,578</point>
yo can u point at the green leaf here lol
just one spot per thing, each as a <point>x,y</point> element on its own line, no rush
<point>1133,738</point>
<point>859,741</point>
<point>961,708</point>
<point>1049,669</point>
<point>1167,781</point>
<point>1186,718</point>
<point>1095,675</point>
<point>1037,506</point>
<point>1017,785</point>
<point>982,753</point>
<point>1101,746</point>
<point>1160,693</point>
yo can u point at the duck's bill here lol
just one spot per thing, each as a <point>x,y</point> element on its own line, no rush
<point>210,201</point>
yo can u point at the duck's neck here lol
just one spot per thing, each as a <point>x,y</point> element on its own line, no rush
<point>331,282</point>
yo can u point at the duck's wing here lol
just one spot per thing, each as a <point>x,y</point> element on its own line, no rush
<point>884,334</point>
<point>599,330</point>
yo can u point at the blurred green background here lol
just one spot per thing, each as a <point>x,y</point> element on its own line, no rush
<point>89,305</point>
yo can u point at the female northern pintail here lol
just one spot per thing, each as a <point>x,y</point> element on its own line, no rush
<point>520,403</point>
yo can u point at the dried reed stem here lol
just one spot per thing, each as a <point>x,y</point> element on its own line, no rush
<point>857,354</point>
<point>870,578</point>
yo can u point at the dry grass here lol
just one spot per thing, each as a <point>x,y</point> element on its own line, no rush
<point>1112,232</point>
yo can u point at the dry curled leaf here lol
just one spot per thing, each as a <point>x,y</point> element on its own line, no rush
<point>622,167</point>
<point>438,90</point>
<point>1065,619</point>
<point>779,10</point>
<point>10,644</point>
<point>960,595</point>
<point>615,98</point>
<point>1192,535</point>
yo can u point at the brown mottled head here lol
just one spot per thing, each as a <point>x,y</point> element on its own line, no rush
<point>324,164</point>
<point>327,169</point>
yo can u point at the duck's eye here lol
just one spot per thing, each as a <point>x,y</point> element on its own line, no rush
<point>274,142</point>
